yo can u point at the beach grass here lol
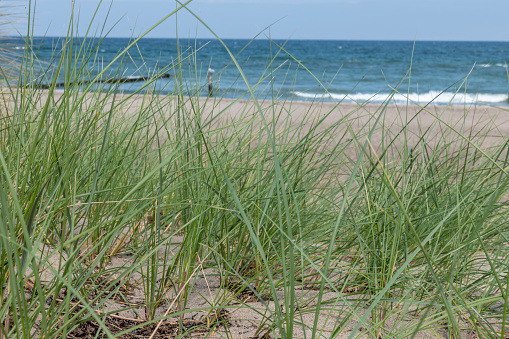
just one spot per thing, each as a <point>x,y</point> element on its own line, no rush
<point>169,215</point>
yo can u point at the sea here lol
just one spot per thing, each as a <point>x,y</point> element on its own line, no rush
<point>438,72</point>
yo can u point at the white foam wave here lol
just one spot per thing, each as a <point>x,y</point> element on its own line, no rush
<point>421,98</point>
<point>19,47</point>
<point>490,65</point>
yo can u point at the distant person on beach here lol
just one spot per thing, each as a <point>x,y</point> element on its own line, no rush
<point>210,74</point>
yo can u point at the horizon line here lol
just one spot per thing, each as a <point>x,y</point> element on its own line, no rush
<point>249,39</point>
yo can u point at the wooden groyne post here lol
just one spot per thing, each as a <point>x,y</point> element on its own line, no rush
<point>107,81</point>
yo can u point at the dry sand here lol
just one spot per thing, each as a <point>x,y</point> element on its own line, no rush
<point>433,121</point>
<point>244,317</point>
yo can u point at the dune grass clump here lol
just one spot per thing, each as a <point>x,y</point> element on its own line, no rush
<point>175,215</point>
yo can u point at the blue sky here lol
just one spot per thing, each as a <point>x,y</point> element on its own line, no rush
<point>290,19</point>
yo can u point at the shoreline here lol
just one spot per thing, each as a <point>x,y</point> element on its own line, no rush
<point>318,100</point>
<point>501,106</point>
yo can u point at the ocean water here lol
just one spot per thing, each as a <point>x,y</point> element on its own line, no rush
<point>348,71</point>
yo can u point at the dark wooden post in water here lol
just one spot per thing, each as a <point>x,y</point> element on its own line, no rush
<point>210,75</point>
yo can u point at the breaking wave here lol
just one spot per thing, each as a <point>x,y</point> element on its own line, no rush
<point>421,98</point>
<point>491,65</point>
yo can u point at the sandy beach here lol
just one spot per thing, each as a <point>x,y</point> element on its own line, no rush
<point>395,116</point>
<point>416,119</point>
<point>405,126</point>
<point>431,122</point>
<point>434,121</point>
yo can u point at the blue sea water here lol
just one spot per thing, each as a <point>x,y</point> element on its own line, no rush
<point>349,71</point>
